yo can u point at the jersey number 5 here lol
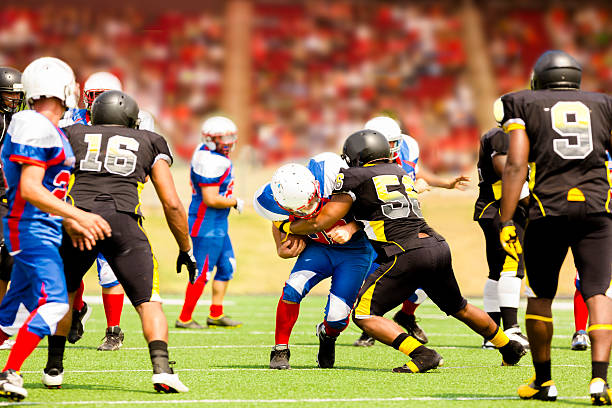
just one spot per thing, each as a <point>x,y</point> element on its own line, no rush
<point>397,204</point>
<point>120,158</point>
<point>572,119</point>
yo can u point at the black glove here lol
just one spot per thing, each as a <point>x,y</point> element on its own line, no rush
<point>186,258</point>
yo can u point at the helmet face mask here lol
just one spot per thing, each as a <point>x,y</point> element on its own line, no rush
<point>10,101</point>
<point>224,144</point>
<point>220,134</point>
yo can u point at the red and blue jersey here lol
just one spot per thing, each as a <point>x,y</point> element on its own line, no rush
<point>74,116</point>
<point>408,157</point>
<point>209,168</point>
<point>32,139</point>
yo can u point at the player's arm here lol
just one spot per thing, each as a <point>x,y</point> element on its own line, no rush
<point>287,248</point>
<point>212,198</point>
<point>514,173</point>
<point>459,182</point>
<point>331,213</point>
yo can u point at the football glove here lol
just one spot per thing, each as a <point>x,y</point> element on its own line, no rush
<point>186,258</point>
<point>509,240</point>
<point>239,205</point>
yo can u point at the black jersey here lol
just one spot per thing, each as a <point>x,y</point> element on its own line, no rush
<point>386,205</point>
<point>113,161</point>
<point>494,142</point>
<point>569,133</point>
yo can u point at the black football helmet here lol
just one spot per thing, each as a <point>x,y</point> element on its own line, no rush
<point>556,69</point>
<point>365,146</point>
<point>114,108</point>
<point>10,81</point>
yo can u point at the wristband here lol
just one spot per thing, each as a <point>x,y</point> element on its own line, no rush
<point>508,223</point>
<point>285,227</point>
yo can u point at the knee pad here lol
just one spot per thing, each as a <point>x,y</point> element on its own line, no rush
<point>296,287</point>
<point>509,290</point>
<point>291,295</point>
<point>337,312</point>
<point>490,297</point>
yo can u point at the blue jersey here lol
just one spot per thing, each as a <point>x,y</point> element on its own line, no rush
<point>33,139</point>
<point>209,168</point>
<point>409,156</point>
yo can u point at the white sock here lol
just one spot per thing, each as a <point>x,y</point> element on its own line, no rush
<point>491,304</point>
<point>509,290</point>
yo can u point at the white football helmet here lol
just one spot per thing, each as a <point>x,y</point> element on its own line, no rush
<point>220,134</point>
<point>390,129</point>
<point>50,77</point>
<point>97,83</point>
<point>296,190</point>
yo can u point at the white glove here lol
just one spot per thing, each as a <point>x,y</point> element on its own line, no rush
<point>239,205</point>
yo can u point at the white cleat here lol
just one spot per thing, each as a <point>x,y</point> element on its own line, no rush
<point>11,386</point>
<point>7,345</point>
<point>514,333</point>
<point>168,383</point>
<point>53,379</point>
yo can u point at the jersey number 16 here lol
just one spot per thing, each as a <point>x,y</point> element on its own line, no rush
<point>120,157</point>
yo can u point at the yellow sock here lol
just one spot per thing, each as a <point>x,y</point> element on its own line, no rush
<point>500,339</point>
<point>409,345</point>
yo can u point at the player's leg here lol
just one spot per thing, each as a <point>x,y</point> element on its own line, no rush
<point>580,339</point>
<point>226,267</point>
<point>81,312</point>
<point>311,267</point>
<point>112,297</point>
<point>405,316</point>
<point>203,250</point>
<point>365,340</point>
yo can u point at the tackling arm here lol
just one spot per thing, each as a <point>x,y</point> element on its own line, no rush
<point>331,213</point>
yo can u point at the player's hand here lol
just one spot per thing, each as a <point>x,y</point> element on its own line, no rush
<point>509,239</point>
<point>460,182</point>
<point>239,205</point>
<point>186,258</point>
<point>78,235</point>
<point>420,186</point>
<point>96,226</point>
<point>340,234</point>
<point>291,246</point>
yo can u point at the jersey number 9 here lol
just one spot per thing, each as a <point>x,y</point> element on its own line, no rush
<point>572,119</point>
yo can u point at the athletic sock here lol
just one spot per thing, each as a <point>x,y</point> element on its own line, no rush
<point>113,306</point>
<point>216,311</point>
<point>409,307</point>
<point>599,369</point>
<point>55,354</point>
<point>407,344</point>
<point>25,344</point>
<point>78,298</point>
<point>158,350</point>
<point>581,313</point>
<point>192,295</point>
<point>286,316</point>
<point>498,338</point>
<point>496,317</point>
<point>330,331</point>
<point>542,372</point>
<point>509,317</point>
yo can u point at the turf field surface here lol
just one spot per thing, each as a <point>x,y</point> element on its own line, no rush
<point>228,367</point>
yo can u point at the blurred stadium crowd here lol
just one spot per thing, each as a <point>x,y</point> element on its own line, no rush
<point>319,69</point>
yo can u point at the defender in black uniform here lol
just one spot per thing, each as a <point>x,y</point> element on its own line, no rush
<point>563,133</point>
<point>11,99</point>
<point>503,286</point>
<point>114,161</point>
<point>412,255</point>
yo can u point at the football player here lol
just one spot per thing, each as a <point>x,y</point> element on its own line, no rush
<point>11,99</point>
<point>563,133</point>
<point>212,181</point>
<point>405,152</point>
<point>112,292</point>
<point>298,192</point>
<point>383,200</point>
<point>114,160</point>
<point>502,290</point>
<point>38,161</point>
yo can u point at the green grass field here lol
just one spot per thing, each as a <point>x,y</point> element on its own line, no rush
<point>229,367</point>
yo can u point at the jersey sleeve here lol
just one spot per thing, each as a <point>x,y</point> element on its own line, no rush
<point>34,140</point>
<point>347,182</point>
<point>161,150</point>
<point>500,142</point>
<point>329,165</point>
<point>512,115</point>
<point>266,206</point>
<point>210,169</point>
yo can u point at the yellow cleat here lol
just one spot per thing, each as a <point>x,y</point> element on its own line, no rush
<point>600,392</point>
<point>545,392</point>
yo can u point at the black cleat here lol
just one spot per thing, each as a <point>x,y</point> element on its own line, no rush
<point>512,353</point>
<point>364,340</point>
<point>327,348</point>
<point>113,339</point>
<point>79,317</point>
<point>279,358</point>
<point>422,361</point>
<point>11,386</point>
<point>409,323</point>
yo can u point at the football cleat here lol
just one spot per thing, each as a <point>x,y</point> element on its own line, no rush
<point>364,340</point>
<point>168,383</point>
<point>53,378</point>
<point>192,324</point>
<point>113,340</point>
<point>409,323</point>
<point>326,357</point>
<point>279,357</point>
<point>79,318</point>
<point>545,392</point>
<point>514,333</point>
<point>7,345</point>
<point>11,385</point>
<point>223,321</point>
<point>512,353</point>
<point>580,340</point>
<point>600,392</point>
<point>422,361</point>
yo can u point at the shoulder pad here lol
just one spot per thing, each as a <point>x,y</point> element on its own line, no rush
<point>266,207</point>
<point>33,129</point>
<point>208,164</point>
<point>146,121</point>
